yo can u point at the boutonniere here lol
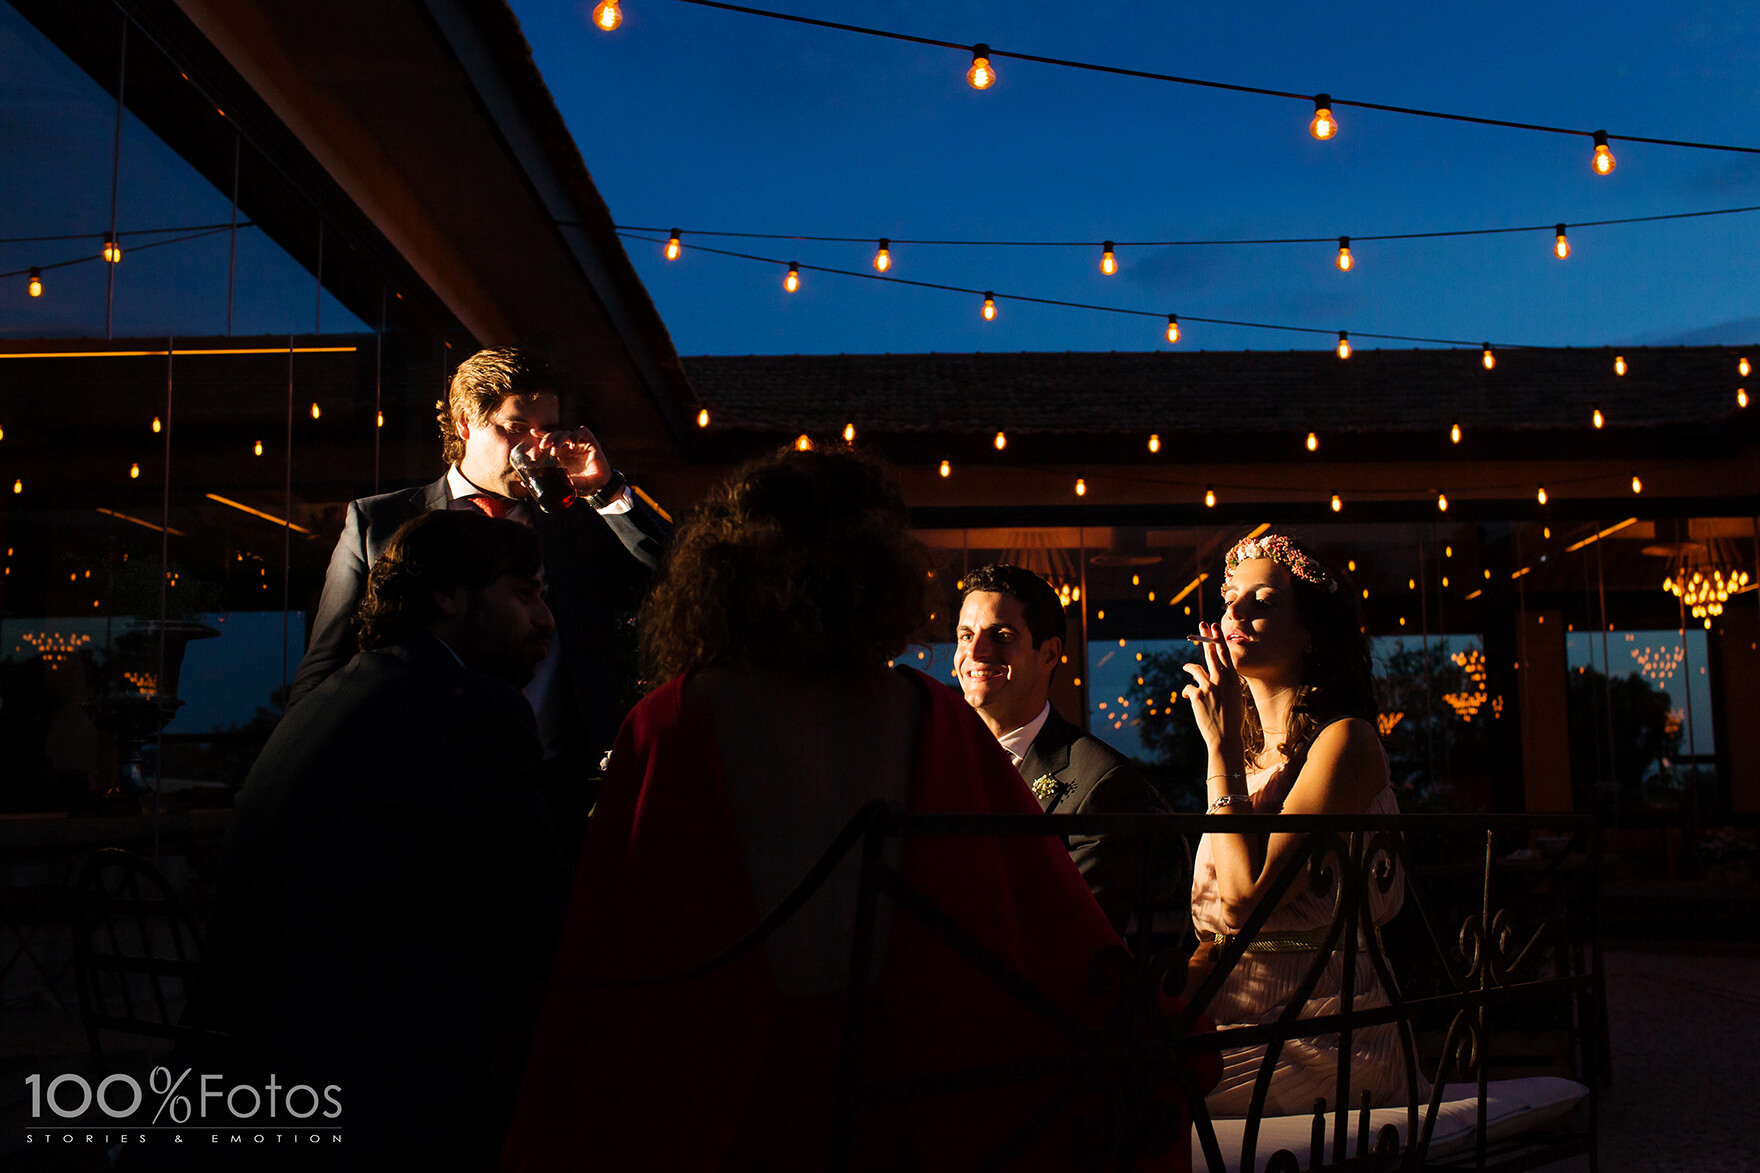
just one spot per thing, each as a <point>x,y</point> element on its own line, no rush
<point>1048,789</point>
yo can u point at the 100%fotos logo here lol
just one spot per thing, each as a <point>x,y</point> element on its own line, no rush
<point>119,1096</point>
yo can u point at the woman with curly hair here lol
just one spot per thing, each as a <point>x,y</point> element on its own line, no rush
<point>1286,708</point>
<point>662,1045</point>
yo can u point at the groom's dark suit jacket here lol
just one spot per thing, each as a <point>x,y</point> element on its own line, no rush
<point>1095,779</point>
<point>595,567</point>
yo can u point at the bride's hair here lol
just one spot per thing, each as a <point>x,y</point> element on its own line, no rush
<point>1337,674</point>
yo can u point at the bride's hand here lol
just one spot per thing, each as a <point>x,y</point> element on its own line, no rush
<point>1215,691</point>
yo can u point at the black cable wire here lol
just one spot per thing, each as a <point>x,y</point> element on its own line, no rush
<point>139,248</point>
<point>120,233</point>
<point>1078,305</point>
<point>1117,71</point>
<point>1333,239</point>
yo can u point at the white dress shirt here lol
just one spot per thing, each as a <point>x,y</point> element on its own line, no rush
<point>1020,740</point>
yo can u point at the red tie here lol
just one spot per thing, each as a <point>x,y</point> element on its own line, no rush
<point>493,506</point>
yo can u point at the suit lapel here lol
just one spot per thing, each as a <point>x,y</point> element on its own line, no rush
<point>1048,757</point>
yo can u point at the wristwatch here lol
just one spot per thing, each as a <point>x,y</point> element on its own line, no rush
<point>610,491</point>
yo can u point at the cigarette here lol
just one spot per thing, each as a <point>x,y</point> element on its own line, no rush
<point>1204,639</point>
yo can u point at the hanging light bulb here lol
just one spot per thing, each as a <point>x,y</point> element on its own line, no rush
<point>1742,367</point>
<point>1173,327</point>
<point>946,469</point>
<point>315,411</point>
<point>156,425</point>
<point>1324,125</point>
<point>803,443</point>
<point>1313,442</point>
<point>1209,497</point>
<point>1637,485</point>
<point>1619,364</point>
<point>1441,501</point>
<point>1598,419</point>
<point>1337,503</point>
<point>1108,262</point>
<point>113,252</point>
<point>703,418</point>
<point>1489,359</point>
<point>1603,162</point>
<point>134,472</point>
<point>34,286</point>
<point>981,76</point>
<point>989,306</point>
<point>1541,495</point>
<point>1454,433</point>
<point>1561,247</point>
<point>258,448</point>
<point>1155,440</point>
<point>1001,441</point>
<point>18,485</point>
<point>1344,254</point>
<point>607,15</point>
<point>1081,487</point>
<point>849,433</point>
<point>883,256</point>
<point>672,247</point>
<point>379,420</point>
<point>1741,397</point>
<point>1344,345</point>
<point>792,282</point>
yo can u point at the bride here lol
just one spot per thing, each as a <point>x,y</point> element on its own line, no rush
<point>1284,703</point>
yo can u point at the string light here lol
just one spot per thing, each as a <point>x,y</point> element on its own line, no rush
<point>1173,327</point>
<point>1001,441</point>
<point>989,306</point>
<point>379,421</point>
<point>1081,487</point>
<point>1541,495</point>
<point>1619,364</point>
<point>1742,367</point>
<point>1441,501</point>
<point>672,247</point>
<point>946,469</point>
<point>1344,345</point>
<point>1155,439</point>
<point>607,15</point>
<point>792,282</point>
<point>1489,359</point>
<point>315,412</point>
<point>1324,125</point>
<point>18,485</point>
<point>1454,433</point>
<point>1637,485</point>
<point>113,252</point>
<point>1344,254</point>
<point>883,256</point>
<point>1561,247</point>
<point>1108,262</point>
<point>703,418</point>
<point>1313,442</point>
<point>1604,162</point>
<point>803,443</point>
<point>1209,497</point>
<point>156,425</point>
<point>35,286</point>
<point>1741,397</point>
<point>258,449</point>
<point>849,433</point>
<point>1598,419</point>
<point>134,472</point>
<point>1337,503</point>
<point>981,76</point>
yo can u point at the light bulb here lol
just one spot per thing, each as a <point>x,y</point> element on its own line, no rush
<point>18,485</point>
<point>113,252</point>
<point>1081,487</point>
<point>607,15</point>
<point>703,418</point>
<point>35,286</point>
<point>792,282</point>
<point>1562,246</point>
<point>1001,441</point>
<point>1155,440</point>
<point>803,443</point>
<point>258,448</point>
<point>1344,254</point>
<point>1441,501</point>
<point>1337,503</point>
<point>981,76</point>
<point>1489,359</point>
<point>1742,368</point>
<point>156,425</point>
<point>1313,442</point>
<point>883,256</point>
<point>1598,419</point>
<point>849,433</point>
<point>946,469</point>
<point>1454,433</point>
<point>1741,397</point>
<point>1619,364</point>
<point>1637,485</point>
<point>1603,162</point>
<point>315,412</point>
<point>1108,262</point>
<point>1324,125</point>
<point>1541,495</point>
<point>1173,327</point>
<point>672,245</point>
<point>1209,497</point>
<point>1344,345</point>
<point>989,306</point>
<point>134,472</point>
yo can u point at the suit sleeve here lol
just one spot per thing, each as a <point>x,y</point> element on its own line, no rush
<point>643,532</point>
<point>332,642</point>
<point>1114,866</point>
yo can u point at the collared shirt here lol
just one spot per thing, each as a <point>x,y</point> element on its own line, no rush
<point>1020,740</point>
<point>542,693</point>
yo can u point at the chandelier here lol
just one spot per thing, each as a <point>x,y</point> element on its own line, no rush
<point>1034,550</point>
<point>1703,576</point>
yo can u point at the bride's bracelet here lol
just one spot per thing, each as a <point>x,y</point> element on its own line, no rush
<point>1231,777</point>
<point>1221,805</point>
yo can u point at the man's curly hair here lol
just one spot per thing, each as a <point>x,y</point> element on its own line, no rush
<point>479,385</point>
<point>439,551</point>
<point>801,558</point>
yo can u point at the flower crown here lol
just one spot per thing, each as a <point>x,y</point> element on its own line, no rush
<point>1284,552</point>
